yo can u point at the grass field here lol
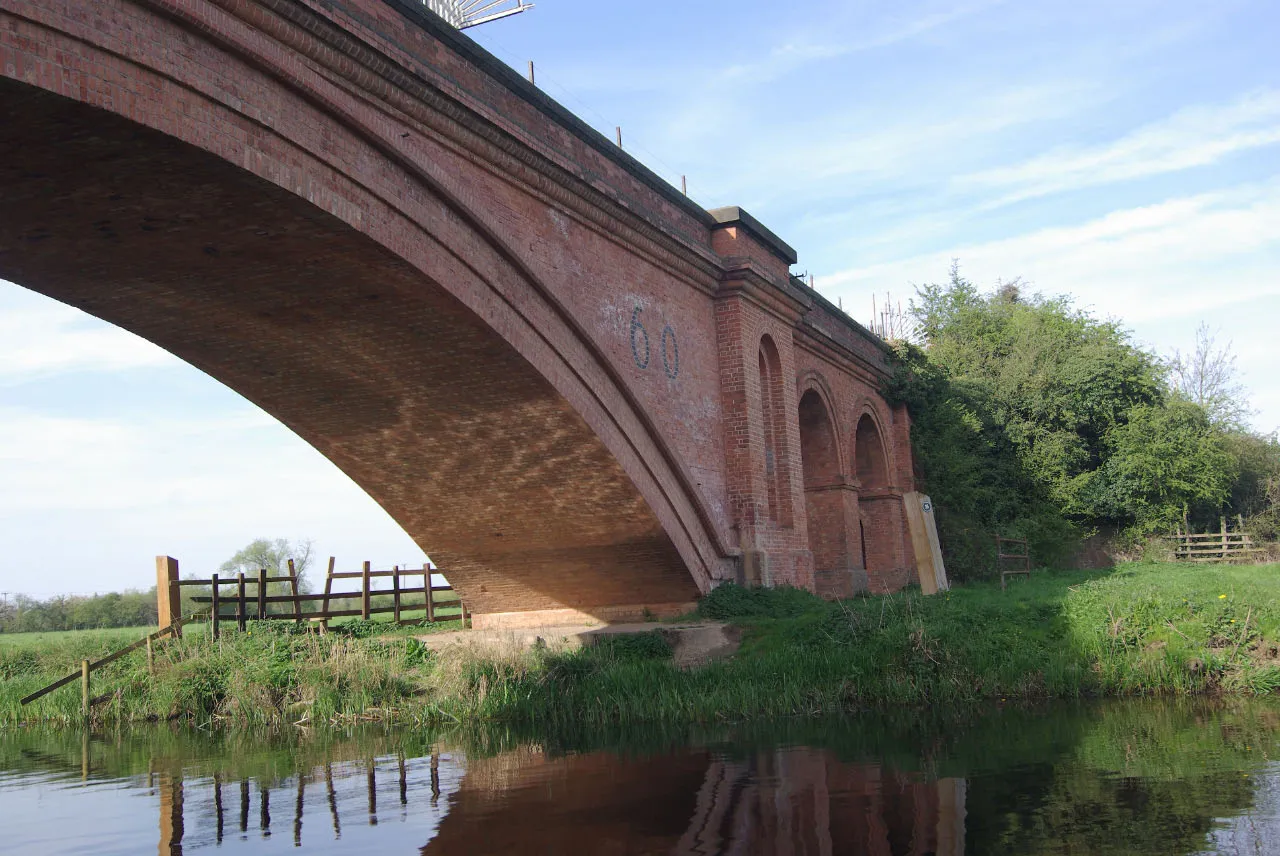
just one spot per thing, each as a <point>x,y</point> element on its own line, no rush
<point>114,636</point>
<point>1136,630</point>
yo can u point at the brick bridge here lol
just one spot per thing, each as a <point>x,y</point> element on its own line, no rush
<point>574,388</point>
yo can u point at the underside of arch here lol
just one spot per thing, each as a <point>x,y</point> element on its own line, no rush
<point>429,409</point>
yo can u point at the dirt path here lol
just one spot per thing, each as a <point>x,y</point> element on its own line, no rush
<point>692,643</point>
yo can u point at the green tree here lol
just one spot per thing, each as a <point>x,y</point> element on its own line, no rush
<point>1163,460</point>
<point>272,556</point>
<point>1055,379</point>
<point>1256,492</point>
<point>1033,418</point>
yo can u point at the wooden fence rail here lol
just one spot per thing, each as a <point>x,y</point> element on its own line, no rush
<point>87,667</point>
<point>1221,546</point>
<point>250,598</point>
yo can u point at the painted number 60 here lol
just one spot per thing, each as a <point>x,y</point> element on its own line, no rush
<point>640,346</point>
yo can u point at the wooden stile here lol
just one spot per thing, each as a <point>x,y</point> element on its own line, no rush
<point>1022,557</point>
<point>1220,546</point>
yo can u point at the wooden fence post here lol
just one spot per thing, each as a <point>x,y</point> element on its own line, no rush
<point>293,585</point>
<point>84,688</point>
<point>364,602</point>
<point>395,593</point>
<point>168,594</point>
<point>151,658</point>
<point>215,604</point>
<point>262,593</point>
<point>328,587</point>
<point>240,610</point>
<point>431,597</point>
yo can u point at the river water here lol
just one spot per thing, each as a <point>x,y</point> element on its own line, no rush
<point>1192,777</point>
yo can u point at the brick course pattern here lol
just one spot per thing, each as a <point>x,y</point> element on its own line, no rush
<point>540,359</point>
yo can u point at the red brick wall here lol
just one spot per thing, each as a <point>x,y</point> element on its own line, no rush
<point>540,360</point>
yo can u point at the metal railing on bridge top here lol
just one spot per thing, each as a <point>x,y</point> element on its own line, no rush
<point>471,13</point>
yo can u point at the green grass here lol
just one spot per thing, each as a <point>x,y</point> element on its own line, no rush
<point>113,636</point>
<point>1142,629</point>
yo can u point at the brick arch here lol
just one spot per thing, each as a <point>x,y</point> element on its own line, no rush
<point>829,503</point>
<point>880,510</point>
<point>871,463</point>
<point>813,381</point>
<point>344,280</point>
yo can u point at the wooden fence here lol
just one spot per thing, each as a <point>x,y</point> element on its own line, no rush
<point>1221,546</point>
<point>88,667</point>
<point>250,599</point>
<point>1015,563</point>
<point>229,807</point>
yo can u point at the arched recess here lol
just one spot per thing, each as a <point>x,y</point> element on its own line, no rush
<point>880,510</point>
<point>871,462</point>
<point>776,460</point>
<point>830,506</point>
<point>285,246</point>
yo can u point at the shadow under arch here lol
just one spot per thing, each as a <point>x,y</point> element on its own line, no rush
<point>290,291</point>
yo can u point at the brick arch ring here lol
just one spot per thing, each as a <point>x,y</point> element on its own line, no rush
<point>371,188</point>
<point>869,409</point>
<point>812,380</point>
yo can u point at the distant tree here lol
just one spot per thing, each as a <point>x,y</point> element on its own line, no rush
<point>129,608</point>
<point>1209,377</point>
<point>273,556</point>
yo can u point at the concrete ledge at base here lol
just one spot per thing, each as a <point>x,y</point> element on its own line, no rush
<point>692,644</point>
<point>548,618</point>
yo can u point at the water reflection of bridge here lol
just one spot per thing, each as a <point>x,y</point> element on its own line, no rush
<point>783,801</point>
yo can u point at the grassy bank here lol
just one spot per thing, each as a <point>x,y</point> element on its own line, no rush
<point>1140,629</point>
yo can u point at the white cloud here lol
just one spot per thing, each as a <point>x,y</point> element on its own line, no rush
<point>802,51</point>
<point>96,498</point>
<point>1160,269</point>
<point>1161,260</point>
<point>48,339</point>
<point>1192,137</point>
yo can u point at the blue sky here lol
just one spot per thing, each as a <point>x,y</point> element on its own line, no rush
<point>1127,154</point>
